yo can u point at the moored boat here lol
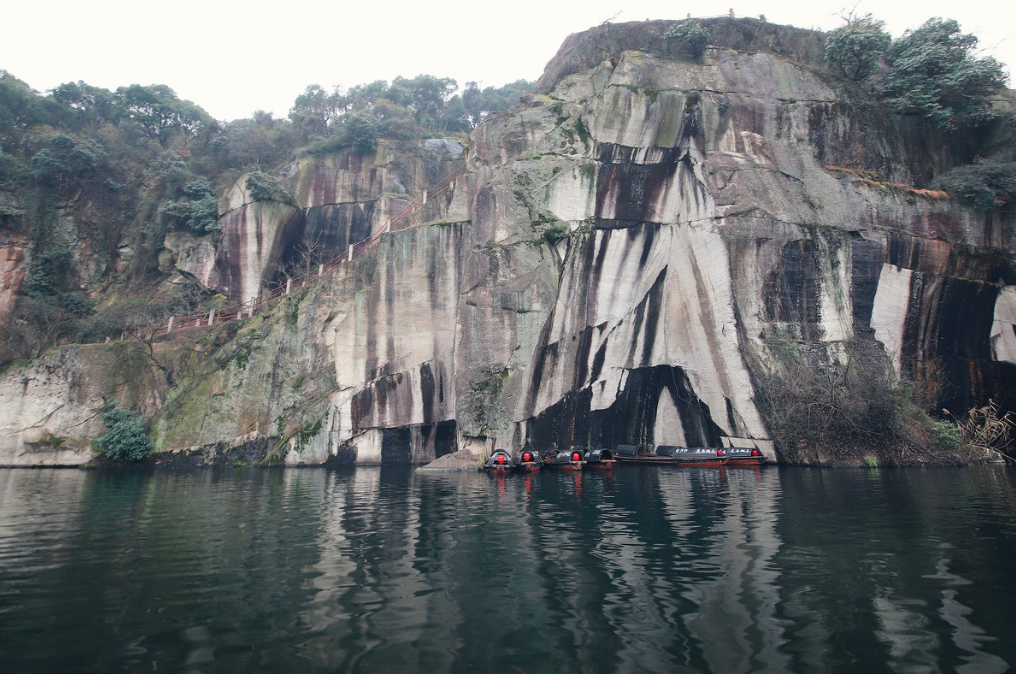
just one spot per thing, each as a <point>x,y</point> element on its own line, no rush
<point>500,462</point>
<point>569,460</point>
<point>599,459</point>
<point>528,461</point>
<point>744,457</point>
<point>669,455</point>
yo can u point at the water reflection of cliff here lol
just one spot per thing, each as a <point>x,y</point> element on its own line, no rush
<point>655,570</point>
<point>648,570</point>
<point>865,569</point>
<point>658,571</point>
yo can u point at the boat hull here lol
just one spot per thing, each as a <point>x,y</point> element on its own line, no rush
<point>570,466</point>
<point>752,462</point>
<point>570,460</point>
<point>672,461</point>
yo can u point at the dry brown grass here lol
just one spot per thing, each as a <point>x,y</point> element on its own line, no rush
<point>873,179</point>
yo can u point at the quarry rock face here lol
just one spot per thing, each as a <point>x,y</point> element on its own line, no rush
<point>12,272</point>
<point>616,266</point>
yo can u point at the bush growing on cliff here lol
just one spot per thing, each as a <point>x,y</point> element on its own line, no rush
<point>934,73</point>
<point>199,211</point>
<point>855,49</point>
<point>987,184</point>
<point>266,187</point>
<point>126,440</point>
<point>690,36</point>
<point>809,402</point>
<point>363,132</point>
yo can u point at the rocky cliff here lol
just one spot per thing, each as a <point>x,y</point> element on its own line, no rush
<point>625,261</point>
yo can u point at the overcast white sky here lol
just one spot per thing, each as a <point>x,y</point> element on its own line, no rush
<point>234,58</point>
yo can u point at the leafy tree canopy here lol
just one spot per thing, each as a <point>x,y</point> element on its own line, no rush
<point>158,113</point>
<point>83,105</point>
<point>935,73</point>
<point>67,157</point>
<point>198,211</point>
<point>313,109</point>
<point>20,108</point>
<point>854,49</point>
<point>405,109</point>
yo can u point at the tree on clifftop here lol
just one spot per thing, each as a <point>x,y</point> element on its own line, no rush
<point>691,36</point>
<point>934,73</point>
<point>855,49</point>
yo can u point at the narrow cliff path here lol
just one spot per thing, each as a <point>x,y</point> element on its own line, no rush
<point>247,309</point>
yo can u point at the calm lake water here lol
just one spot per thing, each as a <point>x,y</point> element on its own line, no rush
<point>650,569</point>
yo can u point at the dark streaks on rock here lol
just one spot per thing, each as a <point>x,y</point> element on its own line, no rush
<point>791,292</point>
<point>632,417</point>
<point>866,266</point>
<point>396,445</point>
<point>946,345</point>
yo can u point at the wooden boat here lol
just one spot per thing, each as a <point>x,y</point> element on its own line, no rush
<point>744,457</point>
<point>600,459</point>
<point>669,455</point>
<point>499,463</point>
<point>529,461</point>
<point>570,460</point>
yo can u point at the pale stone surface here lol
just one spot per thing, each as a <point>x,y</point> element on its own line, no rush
<point>340,178</point>
<point>195,257</point>
<point>251,245</point>
<point>1003,328</point>
<point>51,408</point>
<point>892,302</point>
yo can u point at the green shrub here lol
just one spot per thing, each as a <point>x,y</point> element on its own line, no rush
<point>266,187</point>
<point>691,36</point>
<point>555,231</point>
<point>855,49</point>
<point>126,440</point>
<point>948,435</point>
<point>363,132</point>
<point>48,273</point>
<point>987,184</point>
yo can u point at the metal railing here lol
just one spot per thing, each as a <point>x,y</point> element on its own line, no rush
<point>248,308</point>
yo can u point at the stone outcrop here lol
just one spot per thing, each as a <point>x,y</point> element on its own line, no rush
<point>615,267</point>
<point>338,200</point>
